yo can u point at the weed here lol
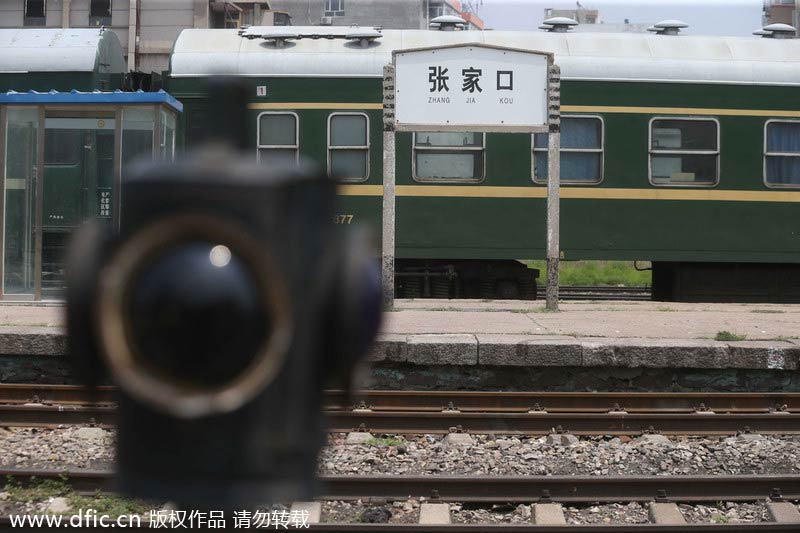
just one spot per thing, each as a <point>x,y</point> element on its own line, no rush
<point>40,490</point>
<point>728,336</point>
<point>598,273</point>
<point>771,311</point>
<point>665,309</point>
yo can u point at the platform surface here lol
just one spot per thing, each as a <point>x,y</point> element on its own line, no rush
<point>520,333</point>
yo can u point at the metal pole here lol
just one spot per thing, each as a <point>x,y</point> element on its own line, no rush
<point>553,184</point>
<point>388,215</point>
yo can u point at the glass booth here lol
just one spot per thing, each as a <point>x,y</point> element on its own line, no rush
<point>63,158</point>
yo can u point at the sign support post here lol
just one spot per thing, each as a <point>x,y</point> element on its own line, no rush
<point>553,185</point>
<point>470,87</point>
<point>388,214</point>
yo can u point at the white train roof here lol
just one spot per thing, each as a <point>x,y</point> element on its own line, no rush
<point>582,56</point>
<point>60,50</point>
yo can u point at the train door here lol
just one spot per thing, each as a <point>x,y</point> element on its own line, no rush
<point>77,184</point>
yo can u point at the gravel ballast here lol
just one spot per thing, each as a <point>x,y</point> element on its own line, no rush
<point>427,454</point>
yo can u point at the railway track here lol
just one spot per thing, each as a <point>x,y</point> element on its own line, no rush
<point>520,413</point>
<point>523,489</point>
<point>500,489</point>
<point>602,293</point>
<point>5,524</point>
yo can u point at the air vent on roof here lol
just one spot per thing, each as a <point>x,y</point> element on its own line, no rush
<point>276,35</point>
<point>281,34</point>
<point>448,23</point>
<point>558,24</point>
<point>778,31</point>
<point>363,37</point>
<point>668,27</point>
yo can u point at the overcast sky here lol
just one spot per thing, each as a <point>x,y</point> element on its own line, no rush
<point>705,17</point>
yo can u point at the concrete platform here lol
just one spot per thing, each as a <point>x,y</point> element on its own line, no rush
<point>513,334</point>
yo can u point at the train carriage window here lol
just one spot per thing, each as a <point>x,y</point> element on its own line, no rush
<point>456,156</point>
<point>581,151</point>
<point>348,146</point>
<point>782,153</point>
<point>63,146</point>
<point>278,138</point>
<point>684,152</point>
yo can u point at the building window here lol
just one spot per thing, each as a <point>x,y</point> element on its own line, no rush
<point>782,153</point>
<point>348,146</point>
<point>334,8</point>
<point>278,138</point>
<point>435,10</point>
<point>448,156</point>
<point>35,14</point>
<point>684,152</point>
<point>581,151</point>
<point>100,13</point>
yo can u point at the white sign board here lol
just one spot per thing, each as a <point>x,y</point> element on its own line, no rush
<point>471,87</point>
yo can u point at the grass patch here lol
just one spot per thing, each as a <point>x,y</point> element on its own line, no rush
<point>597,273</point>
<point>728,336</point>
<point>385,441</point>
<point>768,311</point>
<point>41,490</point>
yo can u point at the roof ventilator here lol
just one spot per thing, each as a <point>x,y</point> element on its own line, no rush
<point>363,37</point>
<point>280,35</point>
<point>558,24</point>
<point>667,27</point>
<point>448,23</point>
<point>777,31</point>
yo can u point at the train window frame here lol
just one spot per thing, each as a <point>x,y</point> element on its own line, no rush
<point>651,152</point>
<point>448,149</point>
<point>601,151</point>
<point>766,154</point>
<point>295,146</point>
<point>365,147</point>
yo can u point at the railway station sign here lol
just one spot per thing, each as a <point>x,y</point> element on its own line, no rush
<point>471,87</point>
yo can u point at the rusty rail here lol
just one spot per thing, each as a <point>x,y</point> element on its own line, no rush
<point>473,401</point>
<point>512,413</point>
<point>764,527</point>
<point>565,489</point>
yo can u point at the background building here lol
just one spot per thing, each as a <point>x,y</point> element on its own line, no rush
<point>409,14</point>
<point>589,20</point>
<point>147,29</point>
<point>785,11</point>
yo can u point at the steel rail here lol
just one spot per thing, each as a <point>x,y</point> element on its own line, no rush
<point>532,528</point>
<point>574,423</point>
<point>485,412</point>
<point>55,394</point>
<point>509,401</point>
<point>763,527</point>
<point>599,293</point>
<point>487,489</point>
<point>470,400</point>
<point>412,422</point>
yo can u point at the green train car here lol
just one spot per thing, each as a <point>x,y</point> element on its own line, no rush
<point>676,149</point>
